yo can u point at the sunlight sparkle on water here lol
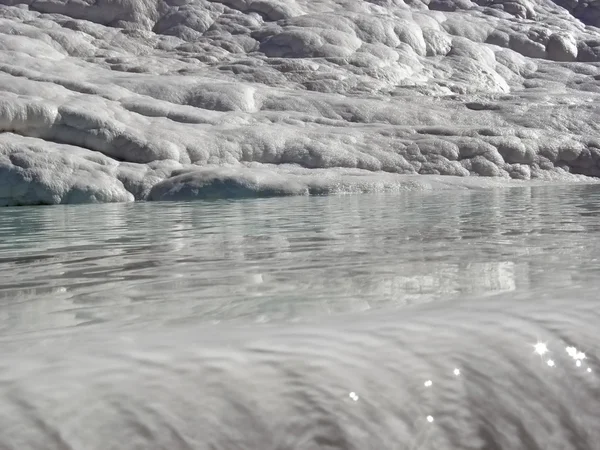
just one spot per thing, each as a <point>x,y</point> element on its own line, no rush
<point>429,419</point>
<point>456,372</point>
<point>353,396</point>
<point>428,383</point>
<point>575,354</point>
<point>540,348</point>
<point>550,362</point>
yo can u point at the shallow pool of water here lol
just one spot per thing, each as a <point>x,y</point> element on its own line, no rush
<point>291,259</point>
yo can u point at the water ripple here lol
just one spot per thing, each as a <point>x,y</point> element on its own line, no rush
<point>291,259</point>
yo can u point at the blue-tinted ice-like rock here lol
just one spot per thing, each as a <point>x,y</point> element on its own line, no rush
<point>269,181</point>
<point>162,91</point>
<point>224,182</point>
<point>53,174</point>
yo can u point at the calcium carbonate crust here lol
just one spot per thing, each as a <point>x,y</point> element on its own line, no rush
<point>122,100</point>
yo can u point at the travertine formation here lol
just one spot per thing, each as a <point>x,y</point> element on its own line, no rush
<point>118,100</point>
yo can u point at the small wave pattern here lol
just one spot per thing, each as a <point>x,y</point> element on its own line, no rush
<point>454,375</point>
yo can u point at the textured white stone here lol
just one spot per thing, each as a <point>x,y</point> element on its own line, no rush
<point>505,89</point>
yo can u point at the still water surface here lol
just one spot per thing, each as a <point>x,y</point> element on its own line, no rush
<point>291,259</point>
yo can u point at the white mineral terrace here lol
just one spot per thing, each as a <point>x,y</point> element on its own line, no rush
<point>122,100</point>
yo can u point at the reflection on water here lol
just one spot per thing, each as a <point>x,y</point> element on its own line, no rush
<point>291,258</point>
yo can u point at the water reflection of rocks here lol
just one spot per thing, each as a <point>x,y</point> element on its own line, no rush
<point>291,258</point>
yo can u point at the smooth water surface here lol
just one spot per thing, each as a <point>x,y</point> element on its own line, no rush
<point>291,259</point>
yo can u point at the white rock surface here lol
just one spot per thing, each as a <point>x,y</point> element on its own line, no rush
<point>114,100</point>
